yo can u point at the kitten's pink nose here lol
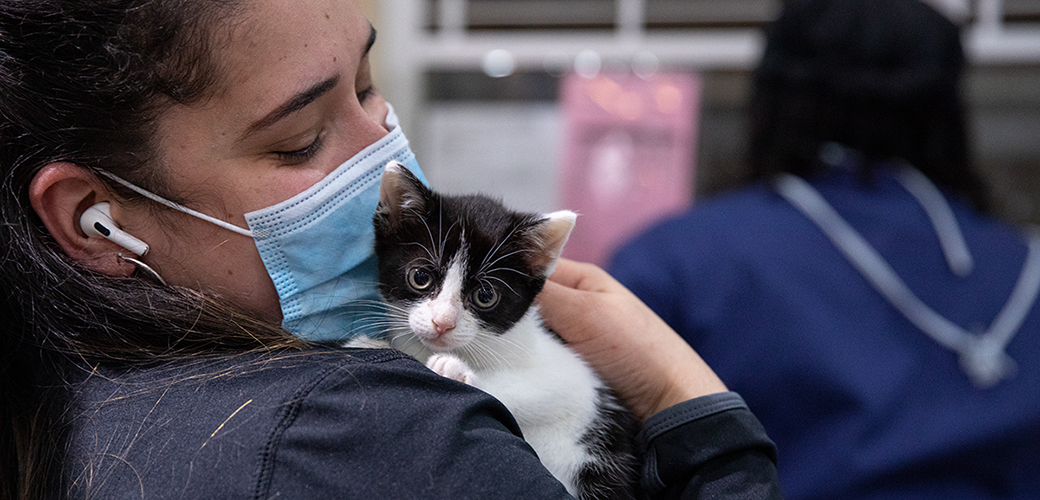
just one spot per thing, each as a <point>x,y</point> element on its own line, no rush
<point>443,325</point>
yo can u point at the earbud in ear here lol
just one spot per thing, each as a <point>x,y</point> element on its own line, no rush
<point>97,221</point>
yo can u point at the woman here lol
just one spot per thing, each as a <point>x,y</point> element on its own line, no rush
<point>195,128</point>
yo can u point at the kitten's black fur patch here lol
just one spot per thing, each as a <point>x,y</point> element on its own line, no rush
<point>615,473</point>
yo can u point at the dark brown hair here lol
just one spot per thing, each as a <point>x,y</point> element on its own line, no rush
<point>83,81</point>
<point>881,77</point>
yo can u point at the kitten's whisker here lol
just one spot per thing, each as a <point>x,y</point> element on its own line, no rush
<point>386,306</point>
<point>440,228</point>
<point>425,260</point>
<point>507,269</point>
<point>401,333</point>
<point>498,247</point>
<point>503,362</point>
<point>432,258</point>
<point>382,316</point>
<point>467,353</point>
<point>375,330</point>
<point>502,340</point>
<point>409,339</point>
<point>440,232</point>
<point>480,356</point>
<point>385,317</point>
<point>386,324</point>
<point>392,314</point>
<point>510,254</point>
<point>491,355</point>
<point>429,232</point>
<point>444,238</point>
<point>495,359</point>
<point>485,279</point>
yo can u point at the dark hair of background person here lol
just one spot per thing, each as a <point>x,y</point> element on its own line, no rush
<point>881,77</point>
<point>83,81</point>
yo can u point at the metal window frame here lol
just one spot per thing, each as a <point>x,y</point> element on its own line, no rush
<point>411,50</point>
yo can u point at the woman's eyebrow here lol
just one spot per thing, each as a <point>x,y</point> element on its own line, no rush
<point>302,99</point>
<point>296,103</point>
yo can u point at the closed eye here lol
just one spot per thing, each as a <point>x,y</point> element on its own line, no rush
<point>300,155</point>
<point>365,94</point>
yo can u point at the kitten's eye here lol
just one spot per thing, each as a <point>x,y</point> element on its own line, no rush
<point>484,297</point>
<point>419,278</point>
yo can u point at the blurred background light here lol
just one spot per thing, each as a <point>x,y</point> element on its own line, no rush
<point>587,64</point>
<point>499,63</point>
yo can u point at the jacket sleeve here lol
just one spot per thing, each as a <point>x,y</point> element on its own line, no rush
<point>709,447</point>
<point>393,429</point>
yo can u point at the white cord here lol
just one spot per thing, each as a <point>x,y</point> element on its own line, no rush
<point>177,206</point>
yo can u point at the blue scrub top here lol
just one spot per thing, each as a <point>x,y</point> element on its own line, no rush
<point>860,402</point>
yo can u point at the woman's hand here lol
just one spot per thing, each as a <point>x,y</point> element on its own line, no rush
<point>649,365</point>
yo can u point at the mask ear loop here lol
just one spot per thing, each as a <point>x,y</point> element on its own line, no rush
<point>176,206</point>
<point>145,268</point>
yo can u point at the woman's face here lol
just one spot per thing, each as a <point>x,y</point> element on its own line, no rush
<point>296,102</point>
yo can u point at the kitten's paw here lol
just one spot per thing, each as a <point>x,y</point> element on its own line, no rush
<point>451,367</point>
<point>366,343</point>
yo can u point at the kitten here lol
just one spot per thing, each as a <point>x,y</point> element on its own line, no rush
<point>460,274</point>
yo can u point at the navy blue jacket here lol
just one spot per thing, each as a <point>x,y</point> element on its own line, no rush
<point>861,404</point>
<point>366,424</point>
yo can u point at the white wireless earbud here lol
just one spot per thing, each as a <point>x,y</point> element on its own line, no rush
<point>97,221</point>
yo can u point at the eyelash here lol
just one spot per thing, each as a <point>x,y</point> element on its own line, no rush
<point>304,154</point>
<point>365,94</point>
<point>301,155</point>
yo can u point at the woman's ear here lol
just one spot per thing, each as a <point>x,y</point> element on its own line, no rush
<point>59,194</point>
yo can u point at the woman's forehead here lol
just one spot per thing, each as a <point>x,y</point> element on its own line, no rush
<point>276,42</point>
<point>279,48</point>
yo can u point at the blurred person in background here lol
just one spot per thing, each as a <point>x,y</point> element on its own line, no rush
<point>856,291</point>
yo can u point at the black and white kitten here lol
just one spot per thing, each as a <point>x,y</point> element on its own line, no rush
<point>460,274</point>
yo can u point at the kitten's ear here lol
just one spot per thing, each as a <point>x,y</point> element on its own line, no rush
<point>550,234</point>
<point>399,190</point>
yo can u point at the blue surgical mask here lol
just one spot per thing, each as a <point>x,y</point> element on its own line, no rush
<point>318,245</point>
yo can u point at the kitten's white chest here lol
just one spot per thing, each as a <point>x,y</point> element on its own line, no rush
<point>545,380</point>
<point>553,401</point>
<point>550,391</point>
